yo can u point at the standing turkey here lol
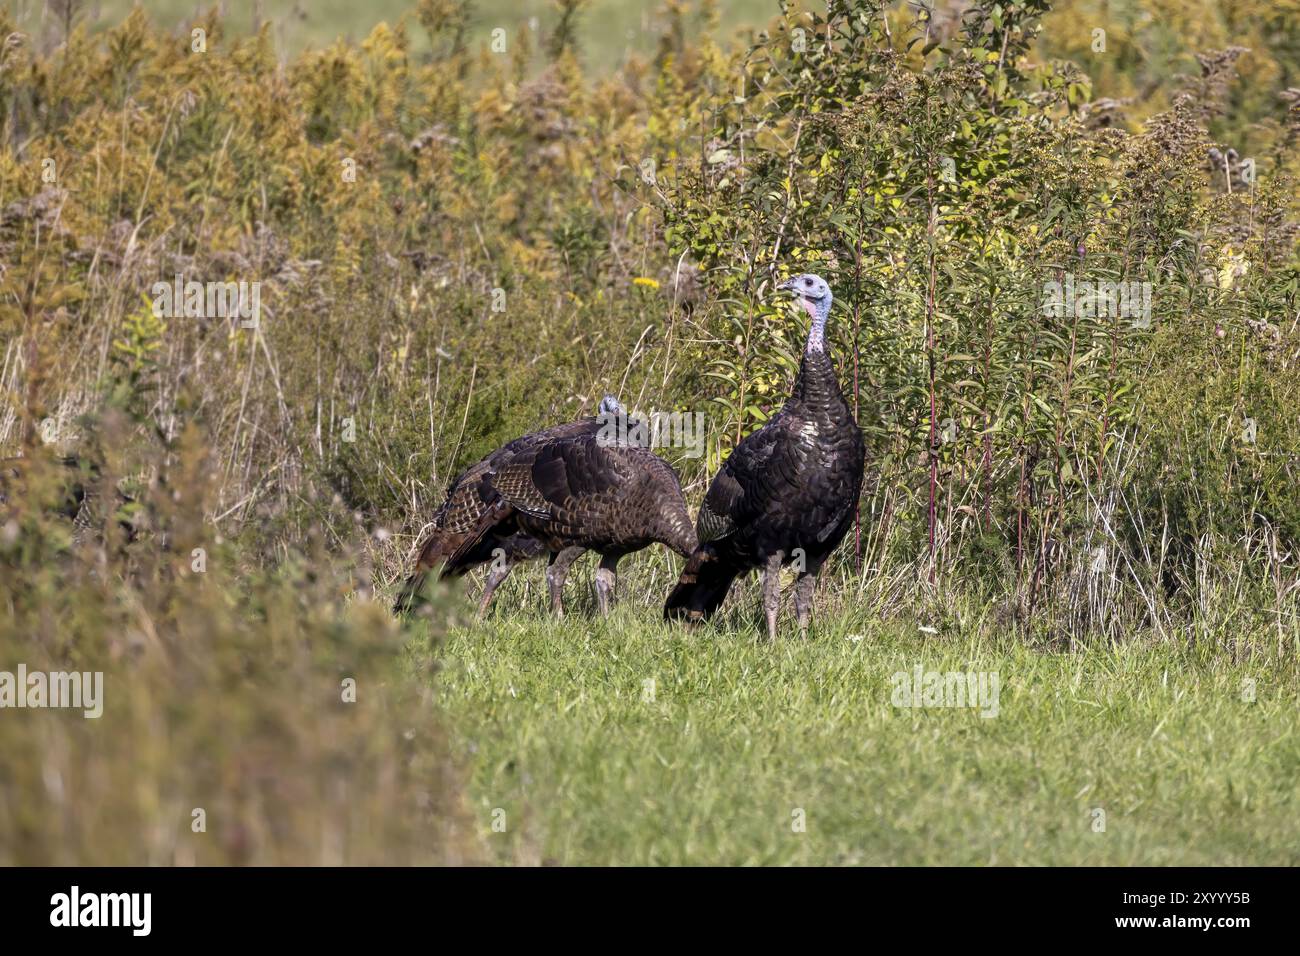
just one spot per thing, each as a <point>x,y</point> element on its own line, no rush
<point>469,497</point>
<point>788,492</point>
<point>575,493</point>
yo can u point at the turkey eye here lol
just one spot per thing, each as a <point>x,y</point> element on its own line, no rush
<point>807,281</point>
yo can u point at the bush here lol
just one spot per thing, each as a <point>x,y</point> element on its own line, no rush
<point>458,246</point>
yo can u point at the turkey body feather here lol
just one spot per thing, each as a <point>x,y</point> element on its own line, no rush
<point>560,491</point>
<point>787,494</point>
<point>471,495</point>
<point>584,492</point>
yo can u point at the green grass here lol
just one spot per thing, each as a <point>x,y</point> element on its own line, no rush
<point>553,727</point>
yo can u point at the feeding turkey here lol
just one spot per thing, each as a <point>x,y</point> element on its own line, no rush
<point>470,497</point>
<point>576,493</point>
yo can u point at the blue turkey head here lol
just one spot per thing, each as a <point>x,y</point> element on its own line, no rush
<point>810,289</point>
<point>618,427</point>
<point>814,295</point>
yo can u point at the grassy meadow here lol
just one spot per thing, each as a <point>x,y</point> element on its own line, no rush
<point>558,730</point>
<point>1092,499</point>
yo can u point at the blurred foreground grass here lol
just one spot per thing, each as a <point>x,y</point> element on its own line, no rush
<point>249,716</point>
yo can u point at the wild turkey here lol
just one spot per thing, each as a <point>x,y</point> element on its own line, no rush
<point>469,497</point>
<point>78,480</point>
<point>583,492</point>
<point>788,492</point>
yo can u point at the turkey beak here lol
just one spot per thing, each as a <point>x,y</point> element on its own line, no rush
<point>788,285</point>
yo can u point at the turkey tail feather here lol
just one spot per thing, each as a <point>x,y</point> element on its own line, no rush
<point>477,545</point>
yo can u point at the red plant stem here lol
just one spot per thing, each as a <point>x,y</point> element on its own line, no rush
<point>857,325</point>
<point>930,347</point>
<point>987,460</point>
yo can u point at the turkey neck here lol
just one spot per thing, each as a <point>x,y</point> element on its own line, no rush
<point>817,311</point>
<point>676,530</point>
<point>818,387</point>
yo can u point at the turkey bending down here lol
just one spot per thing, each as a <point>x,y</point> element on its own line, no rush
<point>469,497</point>
<point>788,492</point>
<point>577,493</point>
